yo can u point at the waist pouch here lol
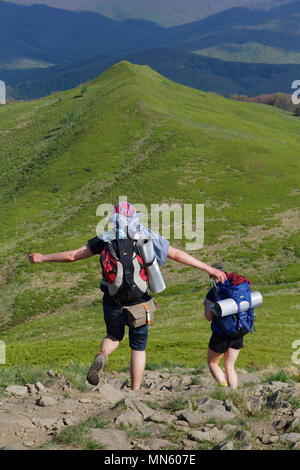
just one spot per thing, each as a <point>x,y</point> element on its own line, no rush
<point>140,314</point>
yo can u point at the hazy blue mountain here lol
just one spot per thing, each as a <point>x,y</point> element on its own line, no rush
<point>49,35</point>
<point>57,36</point>
<point>163,12</point>
<point>183,67</point>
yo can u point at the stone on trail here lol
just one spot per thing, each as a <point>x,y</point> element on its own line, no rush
<point>228,445</point>
<point>229,428</point>
<point>290,438</point>
<point>189,445</point>
<point>269,439</point>
<point>278,385</point>
<point>47,423</point>
<point>111,394</point>
<point>160,417</point>
<point>40,387</point>
<point>14,446</point>
<point>229,406</point>
<point>68,421</point>
<point>280,424</point>
<point>193,418</point>
<point>85,400</point>
<point>213,435</point>
<point>297,413</point>
<point>47,401</point>
<point>214,409</point>
<point>29,444</point>
<point>158,444</point>
<point>243,435</point>
<point>111,439</point>
<point>157,429</point>
<point>31,389</point>
<point>293,424</point>
<point>246,446</point>
<point>16,390</point>
<point>12,420</point>
<point>129,417</point>
<point>136,405</point>
<point>254,405</point>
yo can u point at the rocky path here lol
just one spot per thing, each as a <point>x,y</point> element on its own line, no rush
<point>179,410</point>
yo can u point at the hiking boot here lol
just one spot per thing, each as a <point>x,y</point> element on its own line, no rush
<point>93,375</point>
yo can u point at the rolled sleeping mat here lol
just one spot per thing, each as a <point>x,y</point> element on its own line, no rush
<point>226,307</point>
<point>155,278</point>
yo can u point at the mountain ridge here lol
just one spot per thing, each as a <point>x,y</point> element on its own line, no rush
<point>189,69</point>
<point>167,13</point>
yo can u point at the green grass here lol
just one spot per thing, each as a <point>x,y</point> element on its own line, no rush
<point>280,376</point>
<point>176,404</point>
<point>138,134</point>
<point>78,435</point>
<point>23,375</point>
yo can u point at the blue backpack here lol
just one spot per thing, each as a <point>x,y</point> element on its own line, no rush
<point>237,288</point>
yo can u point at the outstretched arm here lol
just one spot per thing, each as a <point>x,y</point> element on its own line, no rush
<point>63,257</point>
<point>182,257</point>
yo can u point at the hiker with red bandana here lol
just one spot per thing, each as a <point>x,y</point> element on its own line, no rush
<point>227,333</point>
<point>125,283</point>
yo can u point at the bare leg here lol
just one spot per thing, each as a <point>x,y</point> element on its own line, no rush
<point>230,358</point>
<point>213,360</point>
<point>109,344</point>
<point>137,367</point>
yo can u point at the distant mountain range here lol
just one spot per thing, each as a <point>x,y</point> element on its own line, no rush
<point>81,45</point>
<point>40,34</point>
<point>180,66</point>
<point>163,12</point>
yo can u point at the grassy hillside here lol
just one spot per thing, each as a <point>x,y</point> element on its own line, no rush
<point>138,134</point>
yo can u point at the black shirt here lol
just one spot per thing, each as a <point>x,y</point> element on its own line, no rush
<point>96,245</point>
<point>211,296</point>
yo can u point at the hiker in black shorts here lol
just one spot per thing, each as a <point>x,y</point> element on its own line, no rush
<point>113,307</point>
<point>220,345</point>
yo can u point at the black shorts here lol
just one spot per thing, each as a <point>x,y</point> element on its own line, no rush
<point>221,344</point>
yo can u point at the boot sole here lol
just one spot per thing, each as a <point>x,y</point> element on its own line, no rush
<point>93,375</point>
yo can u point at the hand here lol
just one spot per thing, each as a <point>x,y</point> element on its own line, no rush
<point>218,275</point>
<point>36,258</point>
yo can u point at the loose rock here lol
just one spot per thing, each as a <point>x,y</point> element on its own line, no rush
<point>14,446</point>
<point>129,417</point>
<point>111,439</point>
<point>290,438</point>
<point>47,401</point>
<point>225,446</point>
<point>16,390</point>
<point>254,405</point>
<point>243,435</point>
<point>40,387</point>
